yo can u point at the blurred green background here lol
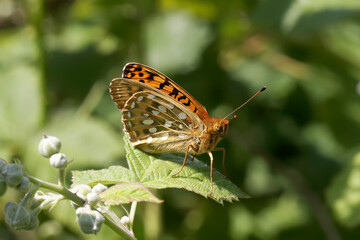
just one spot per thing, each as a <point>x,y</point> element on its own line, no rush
<point>295,148</point>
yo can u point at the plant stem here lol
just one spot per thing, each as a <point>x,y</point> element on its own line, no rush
<point>61,177</point>
<point>121,231</point>
<point>59,189</point>
<point>132,214</point>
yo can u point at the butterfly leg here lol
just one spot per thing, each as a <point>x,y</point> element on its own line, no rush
<point>223,161</point>
<point>211,172</point>
<point>186,155</point>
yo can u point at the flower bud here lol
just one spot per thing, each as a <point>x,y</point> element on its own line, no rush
<point>125,220</point>
<point>24,184</point>
<point>13,174</point>
<point>37,200</point>
<point>46,200</point>
<point>16,215</point>
<point>92,198</point>
<point>3,185</point>
<point>34,221</point>
<point>2,164</point>
<point>58,160</point>
<point>49,145</point>
<point>81,190</point>
<point>90,222</point>
<point>83,210</point>
<point>99,188</point>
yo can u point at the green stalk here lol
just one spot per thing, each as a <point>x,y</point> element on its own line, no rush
<point>121,231</point>
<point>59,189</point>
<point>124,233</point>
<point>132,214</point>
<point>61,177</point>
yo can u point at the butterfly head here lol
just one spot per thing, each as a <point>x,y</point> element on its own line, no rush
<point>221,127</point>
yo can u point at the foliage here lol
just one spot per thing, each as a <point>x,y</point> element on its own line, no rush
<point>294,149</point>
<point>156,172</point>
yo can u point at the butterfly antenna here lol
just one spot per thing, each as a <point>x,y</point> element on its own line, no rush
<point>263,89</point>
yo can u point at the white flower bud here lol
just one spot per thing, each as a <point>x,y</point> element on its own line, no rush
<point>81,190</point>
<point>99,188</point>
<point>90,221</point>
<point>83,210</point>
<point>125,220</point>
<point>46,200</point>
<point>92,198</point>
<point>49,145</point>
<point>58,160</point>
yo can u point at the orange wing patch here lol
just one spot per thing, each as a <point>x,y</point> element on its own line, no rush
<point>151,77</point>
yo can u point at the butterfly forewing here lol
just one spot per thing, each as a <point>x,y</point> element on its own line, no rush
<point>151,77</point>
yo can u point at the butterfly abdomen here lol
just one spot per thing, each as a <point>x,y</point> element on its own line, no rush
<point>173,145</point>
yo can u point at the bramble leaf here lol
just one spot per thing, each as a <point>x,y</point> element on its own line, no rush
<point>155,171</point>
<point>126,193</point>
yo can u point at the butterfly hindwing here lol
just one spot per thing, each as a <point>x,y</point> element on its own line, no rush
<point>122,89</point>
<point>151,118</point>
<point>156,125</point>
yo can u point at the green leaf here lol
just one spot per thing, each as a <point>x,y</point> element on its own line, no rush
<point>157,171</point>
<point>344,194</point>
<point>303,16</point>
<point>111,175</point>
<point>127,193</point>
<point>343,40</point>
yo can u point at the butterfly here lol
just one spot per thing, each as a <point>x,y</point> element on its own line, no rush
<point>162,117</point>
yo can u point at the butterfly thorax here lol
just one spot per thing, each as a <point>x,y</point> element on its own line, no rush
<point>216,129</point>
